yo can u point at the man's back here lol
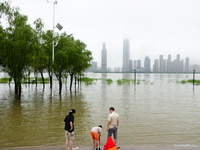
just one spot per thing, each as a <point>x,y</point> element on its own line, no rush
<point>113,118</point>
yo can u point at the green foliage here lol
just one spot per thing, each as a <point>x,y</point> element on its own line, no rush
<point>123,81</point>
<point>25,49</point>
<point>87,80</point>
<point>131,81</point>
<point>4,80</point>
<point>109,81</point>
<point>196,82</point>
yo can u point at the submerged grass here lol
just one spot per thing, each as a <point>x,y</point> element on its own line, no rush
<point>196,82</point>
<point>127,81</point>
<point>27,80</point>
<point>33,80</point>
<point>4,80</point>
<point>87,80</point>
<point>109,81</point>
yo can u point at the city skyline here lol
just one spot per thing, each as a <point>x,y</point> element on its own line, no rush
<point>161,64</point>
<point>153,27</point>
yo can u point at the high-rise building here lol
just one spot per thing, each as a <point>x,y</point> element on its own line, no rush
<point>178,63</point>
<point>104,58</point>
<point>135,64</point>
<point>161,63</point>
<point>139,65</point>
<point>187,64</point>
<point>155,66</point>
<point>126,55</point>
<point>164,65</point>
<point>169,63</point>
<point>147,64</point>
<point>130,65</point>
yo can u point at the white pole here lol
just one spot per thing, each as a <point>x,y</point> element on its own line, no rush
<point>53,43</point>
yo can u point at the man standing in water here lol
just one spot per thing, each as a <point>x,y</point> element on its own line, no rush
<point>113,122</point>
<point>69,129</point>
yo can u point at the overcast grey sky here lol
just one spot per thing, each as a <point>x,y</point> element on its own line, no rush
<point>154,27</point>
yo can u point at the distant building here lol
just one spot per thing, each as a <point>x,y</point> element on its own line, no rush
<point>161,63</point>
<point>93,67</point>
<point>187,64</point>
<point>139,65</point>
<point>117,69</point>
<point>130,65</point>
<point>164,65</point>
<point>126,55</point>
<point>147,64</point>
<point>104,58</point>
<point>135,64</point>
<point>182,69</point>
<point>178,63</point>
<point>155,66</point>
<point>169,64</point>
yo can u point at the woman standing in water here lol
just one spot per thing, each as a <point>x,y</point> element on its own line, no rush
<point>69,129</point>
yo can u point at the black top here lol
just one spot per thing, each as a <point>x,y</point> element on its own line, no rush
<point>67,120</point>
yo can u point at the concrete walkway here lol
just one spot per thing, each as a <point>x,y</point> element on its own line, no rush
<point>127,147</point>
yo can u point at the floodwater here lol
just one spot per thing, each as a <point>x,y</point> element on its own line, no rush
<point>157,111</point>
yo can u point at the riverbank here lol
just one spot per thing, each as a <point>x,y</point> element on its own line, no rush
<point>126,147</point>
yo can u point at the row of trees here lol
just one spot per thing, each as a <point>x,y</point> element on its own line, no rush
<point>25,49</point>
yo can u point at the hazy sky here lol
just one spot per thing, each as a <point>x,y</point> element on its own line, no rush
<point>154,27</point>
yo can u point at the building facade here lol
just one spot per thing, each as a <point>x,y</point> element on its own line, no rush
<point>104,58</point>
<point>126,55</point>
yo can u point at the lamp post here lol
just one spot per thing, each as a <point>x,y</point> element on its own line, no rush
<point>53,41</point>
<point>193,76</point>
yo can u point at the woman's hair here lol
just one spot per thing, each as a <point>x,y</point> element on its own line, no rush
<point>72,111</point>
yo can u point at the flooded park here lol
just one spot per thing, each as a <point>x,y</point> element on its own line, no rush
<point>156,110</point>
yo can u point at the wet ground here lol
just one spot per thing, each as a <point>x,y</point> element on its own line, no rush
<point>127,147</point>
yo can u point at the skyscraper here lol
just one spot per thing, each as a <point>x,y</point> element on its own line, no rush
<point>155,66</point>
<point>169,62</point>
<point>187,64</point>
<point>161,63</point>
<point>147,64</point>
<point>126,55</point>
<point>178,63</point>
<point>104,58</point>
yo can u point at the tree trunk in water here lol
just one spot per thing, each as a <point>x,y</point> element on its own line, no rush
<point>10,79</point>
<point>60,86</point>
<point>36,78</point>
<point>50,78</point>
<point>71,80</point>
<point>18,87</point>
<point>42,79</point>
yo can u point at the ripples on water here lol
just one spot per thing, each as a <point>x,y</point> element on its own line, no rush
<point>157,112</point>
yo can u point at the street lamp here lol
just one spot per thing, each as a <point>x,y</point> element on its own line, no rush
<point>53,42</point>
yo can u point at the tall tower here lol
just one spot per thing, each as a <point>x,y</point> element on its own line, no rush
<point>161,63</point>
<point>169,62</point>
<point>178,63</point>
<point>187,64</point>
<point>126,55</point>
<point>104,58</point>
<point>147,64</point>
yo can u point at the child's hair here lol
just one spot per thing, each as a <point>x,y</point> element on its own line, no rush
<point>100,126</point>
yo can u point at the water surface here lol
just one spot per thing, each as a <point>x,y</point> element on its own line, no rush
<point>158,111</point>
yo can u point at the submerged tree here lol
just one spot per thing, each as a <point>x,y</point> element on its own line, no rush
<point>39,58</point>
<point>24,49</point>
<point>16,46</point>
<point>61,64</point>
<point>79,59</point>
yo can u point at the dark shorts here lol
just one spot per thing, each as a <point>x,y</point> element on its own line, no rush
<point>112,131</point>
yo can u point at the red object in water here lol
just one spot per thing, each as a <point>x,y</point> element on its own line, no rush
<point>110,145</point>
